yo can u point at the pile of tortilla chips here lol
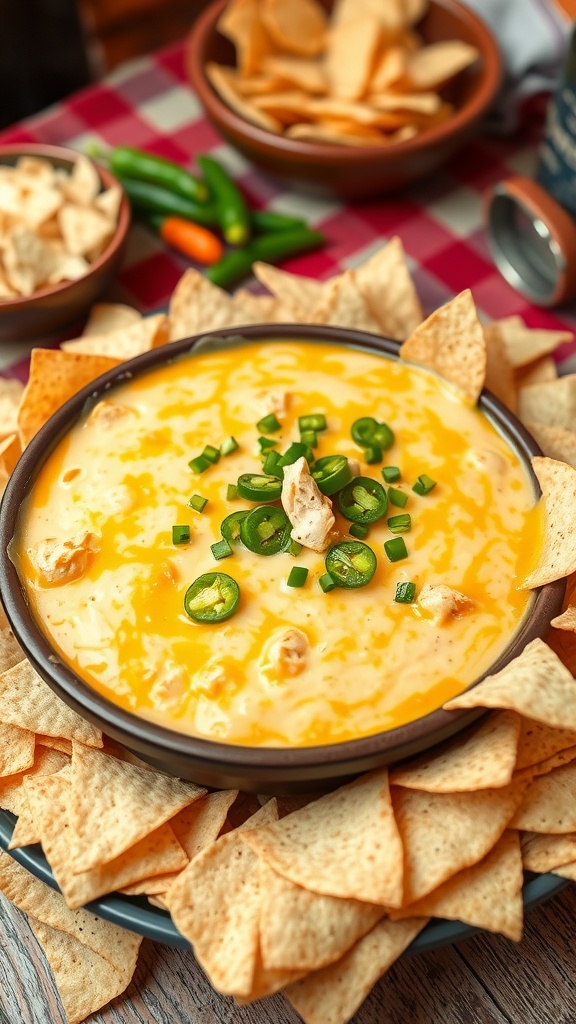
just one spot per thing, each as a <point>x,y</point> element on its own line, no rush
<point>361,77</point>
<point>313,895</point>
<point>53,223</point>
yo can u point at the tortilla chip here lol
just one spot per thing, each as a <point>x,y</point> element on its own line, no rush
<point>555,442</point>
<point>431,66</point>
<point>114,804</point>
<point>487,895</point>
<point>85,980</point>
<point>500,379</point>
<point>55,376</point>
<point>224,82</point>
<point>155,886</point>
<point>123,342</point>
<point>350,55</point>
<point>549,804</point>
<point>389,68</point>
<point>16,749</point>
<point>268,980</point>
<point>215,903</point>
<point>524,344</point>
<point>305,74</point>
<point>242,24</point>
<point>32,896</point>
<point>552,403</point>
<point>300,295</point>
<point>344,305</point>
<point>483,759</point>
<point>263,308</point>
<point>443,833</point>
<point>537,372</point>
<point>13,794</point>
<point>158,853</point>
<point>385,283</point>
<point>85,231</point>
<point>10,395</point>
<point>196,305</point>
<point>109,202</point>
<point>566,871</point>
<point>26,701</point>
<point>82,185</point>
<point>558,554</point>
<point>345,844</point>
<point>545,852</point>
<point>26,831</point>
<point>200,824</point>
<point>333,994</point>
<point>451,342</point>
<point>301,930</point>
<point>10,452</point>
<point>55,742</point>
<point>297,27</point>
<point>106,317</point>
<point>10,651</point>
<point>538,742</point>
<point>561,757</point>
<point>28,260</point>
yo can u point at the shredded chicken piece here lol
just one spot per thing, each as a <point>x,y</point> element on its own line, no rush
<point>288,651</point>
<point>442,603</point>
<point>105,414</point>
<point>272,400</point>
<point>169,687</point>
<point>309,511</point>
<point>490,461</point>
<point>63,561</point>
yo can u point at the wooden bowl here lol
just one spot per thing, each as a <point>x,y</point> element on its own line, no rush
<point>353,172</point>
<point>51,309</point>
<point>208,762</point>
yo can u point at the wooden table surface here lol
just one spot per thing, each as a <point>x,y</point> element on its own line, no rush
<point>484,980</point>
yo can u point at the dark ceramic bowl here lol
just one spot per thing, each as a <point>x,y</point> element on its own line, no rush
<point>355,171</point>
<point>51,309</point>
<point>259,769</point>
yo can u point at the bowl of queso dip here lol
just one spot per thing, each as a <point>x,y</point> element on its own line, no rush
<point>270,559</point>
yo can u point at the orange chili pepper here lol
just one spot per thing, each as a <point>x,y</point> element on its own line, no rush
<point>192,240</point>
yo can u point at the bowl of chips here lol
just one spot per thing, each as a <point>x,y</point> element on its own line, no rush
<point>63,225</point>
<point>353,100</point>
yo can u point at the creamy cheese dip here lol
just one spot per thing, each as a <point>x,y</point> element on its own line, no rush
<point>291,667</point>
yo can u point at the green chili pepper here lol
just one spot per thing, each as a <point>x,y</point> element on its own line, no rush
<point>269,220</point>
<point>363,500</point>
<point>266,530</point>
<point>213,597</point>
<point>255,487</point>
<point>127,162</point>
<point>351,564</point>
<point>231,207</point>
<point>332,473</point>
<point>153,198</point>
<point>230,527</point>
<point>272,248</point>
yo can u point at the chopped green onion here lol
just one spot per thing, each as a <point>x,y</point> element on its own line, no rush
<point>358,530</point>
<point>266,443</point>
<point>200,464</point>
<point>271,465</point>
<point>395,549</point>
<point>326,583</point>
<point>297,576</point>
<point>424,484</point>
<point>400,524</point>
<point>211,453</point>
<point>231,492</point>
<point>391,474</point>
<point>405,593</point>
<point>197,502</point>
<point>228,446</point>
<point>295,548</point>
<point>268,424</point>
<point>180,534</point>
<point>314,421</point>
<point>221,549</point>
<point>309,438</point>
<point>372,455</point>
<point>396,497</point>
<point>295,452</point>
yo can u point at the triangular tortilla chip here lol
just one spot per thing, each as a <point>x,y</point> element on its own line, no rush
<point>443,833</point>
<point>11,392</point>
<point>334,993</point>
<point>545,852</point>
<point>345,844</point>
<point>344,305</point>
<point>535,373</point>
<point>16,749</point>
<point>13,794</point>
<point>200,824</point>
<point>215,903</point>
<point>552,403</point>
<point>526,344</point>
<point>555,442</point>
<point>196,305</point>
<point>500,378</point>
<point>114,804</point>
<point>26,701</point>
<point>537,742</point>
<point>10,651</point>
<point>451,342</point>
<point>301,930</point>
<point>300,295</point>
<point>10,452</point>
<point>54,377</point>
<point>487,895</point>
<point>85,980</point>
<point>124,342</point>
<point>482,759</point>
<point>386,284</point>
<point>549,804</point>
<point>106,317</point>
<point>558,555</point>
<point>536,684</point>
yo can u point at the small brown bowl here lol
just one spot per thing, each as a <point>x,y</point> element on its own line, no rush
<point>223,765</point>
<point>355,172</point>
<point>49,310</point>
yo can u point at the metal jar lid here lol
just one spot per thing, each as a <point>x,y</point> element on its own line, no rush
<point>532,240</point>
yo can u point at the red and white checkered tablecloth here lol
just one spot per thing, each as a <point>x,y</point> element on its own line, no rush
<point>148,103</point>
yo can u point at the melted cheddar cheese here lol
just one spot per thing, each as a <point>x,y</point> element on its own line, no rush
<point>291,667</point>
